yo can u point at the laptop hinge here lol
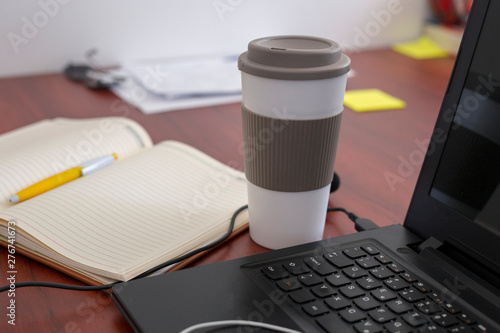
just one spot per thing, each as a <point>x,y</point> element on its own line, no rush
<point>430,242</point>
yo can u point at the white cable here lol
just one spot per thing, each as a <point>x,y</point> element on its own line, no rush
<point>238,323</point>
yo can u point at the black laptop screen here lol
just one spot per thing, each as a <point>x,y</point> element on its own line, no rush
<point>468,175</point>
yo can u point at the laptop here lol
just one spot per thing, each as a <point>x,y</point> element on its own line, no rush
<point>439,272</point>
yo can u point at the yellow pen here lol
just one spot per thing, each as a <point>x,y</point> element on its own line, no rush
<point>64,177</point>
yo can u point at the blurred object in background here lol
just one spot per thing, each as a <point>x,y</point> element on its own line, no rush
<point>451,12</point>
<point>449,21</point>
<point>447,37</point>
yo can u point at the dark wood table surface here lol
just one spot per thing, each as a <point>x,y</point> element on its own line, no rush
<point>373,146</point>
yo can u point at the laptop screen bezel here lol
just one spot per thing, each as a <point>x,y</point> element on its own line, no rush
<point>427,216</point>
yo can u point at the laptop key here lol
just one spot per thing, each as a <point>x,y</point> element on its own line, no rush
<point>310,279</point>
<point>368,326</point>
<point>432,328</point>
<point>399,306</point>
<point>323,291</point>
<point>366,303</point>
<point>408,277</point>
<point>338,259</point>
<point>451,308</point>
<point>428,307</point>
<point>460,329</point>
<point>354,272</point>
<point>351,291</point>
<point>381,272</point>
<point>369,283</point>
<point>382,315</point>
<point>435,297</point>
<point>320,266</point>
<point>315,309</point>
<point>396,283</point>
<point>275,272</point>
<point>422,286</point>
<point>338,280</point>
<point>383,259</point>
<point>337,302</point>
<point>415,319</point>
<point>384,294</point>
<point>480,328</point>
<point>466,319</point>
<point>367,262</point>
<point>296,267</point>
<point>395,268</point>
<point>354,252</point>
<point>411,295</point>
<point>288,284</point>
<point>301,296</point>
<point>444,319</point>
<point>352,315</point>
<point>398,326</point>
<point>370,249</point>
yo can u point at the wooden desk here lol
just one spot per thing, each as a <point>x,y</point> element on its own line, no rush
<point>372,145</point>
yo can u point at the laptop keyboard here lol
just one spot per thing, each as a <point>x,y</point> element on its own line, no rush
<point>363,287</point>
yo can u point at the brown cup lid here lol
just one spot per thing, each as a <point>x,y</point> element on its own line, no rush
<point>294,58</point>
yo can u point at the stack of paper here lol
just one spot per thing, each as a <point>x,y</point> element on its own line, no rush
<point>159,86</point>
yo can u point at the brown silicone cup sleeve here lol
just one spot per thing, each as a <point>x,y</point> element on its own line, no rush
<point>289,155</point>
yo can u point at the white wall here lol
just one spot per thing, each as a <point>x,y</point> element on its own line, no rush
<point>38,36</point>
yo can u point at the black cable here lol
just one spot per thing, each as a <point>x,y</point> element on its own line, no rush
<point>360,224</point>
<point>152,270</point>
<point>337,209</point>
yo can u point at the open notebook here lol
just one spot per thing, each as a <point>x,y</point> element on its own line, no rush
<point>154,204</point>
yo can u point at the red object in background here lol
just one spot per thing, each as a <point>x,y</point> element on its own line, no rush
<point>469,5</point>
<point>451,12</point>
<point>445,11</point>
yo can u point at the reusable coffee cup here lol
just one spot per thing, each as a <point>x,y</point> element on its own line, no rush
<point>293,90</point>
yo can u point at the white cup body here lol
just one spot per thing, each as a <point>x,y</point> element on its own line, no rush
<point>282,219</point>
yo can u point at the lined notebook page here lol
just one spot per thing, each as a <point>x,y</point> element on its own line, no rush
<point>35,152</point>
<point>135,211</point>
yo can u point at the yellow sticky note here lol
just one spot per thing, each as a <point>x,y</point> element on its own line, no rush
<point>422,48</point>
<point>371,100</point>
